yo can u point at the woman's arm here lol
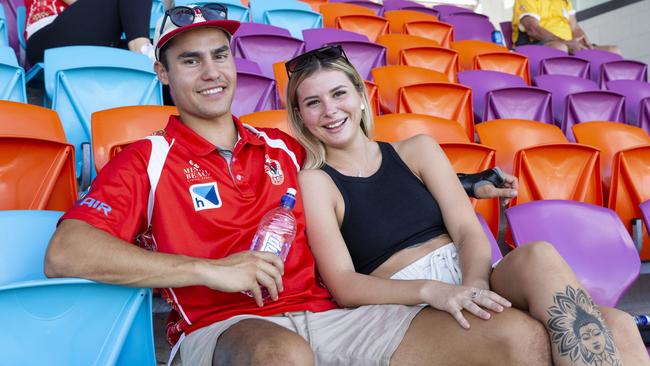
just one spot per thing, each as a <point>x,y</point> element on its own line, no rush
<point>425,157</point>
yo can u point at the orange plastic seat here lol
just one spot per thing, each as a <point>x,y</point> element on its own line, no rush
<point>401,126</point>
<point>630,186</point>
<point>438,59</point>
<point>268,119</point>
<point>373,96</point>
<point>331,11</point>
<point>474,158</point>
<point>467,50</point>
<point>371,26</point>
<point>398,18</point>
<point>559,171</point>
<point>507,136</point>
<point>315,4</point>
<point>609,138</point>
<point>113,129</point>
<point>37,166</point>
<point>445,100</point>
<point>507,62</point>
<point>440,32</point>
<point>281,81</point>
<point>395,43</point>
<point>390,79</point>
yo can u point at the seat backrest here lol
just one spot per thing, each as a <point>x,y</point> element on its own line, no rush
<point>266,49</point>
<point>401,126</point>
<point>441,32</point>
<point>446,10</point>
<point>508,62</point>
<point>395,43</point>
<point>558,171</point>
<point>315,4</point>
<point>494,246</point>
<point>609,138</point>
<point>331,11</point>
<point>254,93</point>
<point>645,211</point>
<point>506,30</point>
<point>292,15</point>
<point>317,37</point>
<point>596,58</point>
<point>644,114</point>
<point>12,76</point>
<point>247,29</point>
<point>589,238</point>
<point>537,53</point>
<point>468,26</point>
<point>507,136</point>
<point>634,91</point>
<point>390,79</point>
<point>364,56</point>
<point>30,121</point>
<point>373,96</point>
<point>377,8</point>
<point>236,10</point>
<point>623,70</point>
<point>4,35</point>
<point>444,100</point>
<point>482,81</point>
<point>524,102</point>
<point>244,65</point>
<point>565,65</point>
<point>473,158</point>
<point>630,186</point>
<point>438,59</point>
<point>398,18</point>
<point>560,87</point>
<point>596,105</point>
<point>371,26</point>
<point>268,119</point>
<point>469,49</point>
<point>115,128</point>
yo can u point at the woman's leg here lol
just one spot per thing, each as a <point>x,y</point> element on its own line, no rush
<point>537,279</point>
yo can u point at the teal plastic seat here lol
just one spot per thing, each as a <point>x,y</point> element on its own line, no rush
<point>12,76</point>
<point>80,80</point>
<point>236,10</point>
<point>64,321</point>
<point>292,15</point>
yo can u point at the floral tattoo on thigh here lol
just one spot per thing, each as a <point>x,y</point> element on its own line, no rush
<point>578,330</point>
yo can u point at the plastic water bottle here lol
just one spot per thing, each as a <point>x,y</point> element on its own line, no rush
<point>276,231</point>
<point>497,37</point>
<point>642,320</point>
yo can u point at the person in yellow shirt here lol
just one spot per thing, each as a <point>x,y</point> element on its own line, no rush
<point>550,23</point>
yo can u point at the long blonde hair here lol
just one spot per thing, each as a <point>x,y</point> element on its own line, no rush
<point>315,148</point>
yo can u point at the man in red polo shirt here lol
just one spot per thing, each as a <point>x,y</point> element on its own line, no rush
<point>192,197</point>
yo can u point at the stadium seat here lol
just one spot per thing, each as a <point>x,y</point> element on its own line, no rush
<point>470,26</point>
<point>634,91</point>
<point>315,4</point>
<point>565,65</point>
<point>446,10</point>
<point>609,138</point>
<point>281,81</point>
<point>373,96</point>
<point>268,119</point>
<point>37,163</point>
<point>409,5</point>
<point>401,126</point>
<point>645,210</point>
<point>440,32</point>
<point>630,186</point>
<point>508,62</point>
<point>371,26</point>
<point>266,45</point>
<point>536,54</point>
<point>293,15</point>
<point>236,10</point>
<point>390,79</point>
<point>591,239</point>
<point>4,34</point>
<point>113,129</point>
<point>596,58</point>
<point>10,8</point>
<point>398,18</point>
<point>506,31</point>
<point>482,82</point>
<point>524,102</point>
<point>377,8</point>
<point>496,251</point>
<point>395,43</point>
<point>623,70</point>
<point>244,65</point>
<point>444,100</point>
<point>507,136</point>
<point>596,105</point>
<point>157,12</point>
<point>254,93</point>
<point>644,114</point>
<point>331,11</point>
<point>76,77</point>
<point>561,86</point>
<point>558,171</point>
<point>12,76</point>
<point>468,50</point>
<point>438,59</point>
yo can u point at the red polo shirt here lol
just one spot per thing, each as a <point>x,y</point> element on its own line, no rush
<point>203,210</point>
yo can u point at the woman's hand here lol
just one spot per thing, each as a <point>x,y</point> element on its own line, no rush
<point>456,298</point>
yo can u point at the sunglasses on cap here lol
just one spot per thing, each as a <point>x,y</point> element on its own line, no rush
<point>181,16</point>
<point>300,62</point>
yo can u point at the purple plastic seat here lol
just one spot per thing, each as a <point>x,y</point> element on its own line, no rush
<point>590,238</point>
<point>645,210</point>
<point>634,91</point>
<point>266,45</point>
<point>377,8</point>
<point>565,65</point>
<point>468,26</point>
<point>409,5</point>
<point>254,93</point>
<point>536,54</point>
<point>644,114</point>
<point>363,54</point>
<point>506,30</point>
<point>447,10</point>
<point>561,86</point>
<point>10,22</point>
<point>244,65</point>
<point>597,58</point>
<point>623,70</point>
<point>481,82</point>
<point>494,246</point>
<point>596,105</point>
<point>524,102</point>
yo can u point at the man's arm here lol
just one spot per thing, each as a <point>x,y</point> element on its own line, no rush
<point>78,249</point>
<point>536,31</point>
<point>578,33</point>
<point>490,183</point>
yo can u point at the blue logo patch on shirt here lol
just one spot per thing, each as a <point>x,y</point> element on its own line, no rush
<point>205,196</point>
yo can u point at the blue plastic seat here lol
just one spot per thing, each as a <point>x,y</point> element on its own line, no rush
<point>64,321</point>
<point>4,36</point>
<point>293,15</point>
<point>80,80</point>
<point>236,11</point>
<point>12,77</point>
<point>157,11</point>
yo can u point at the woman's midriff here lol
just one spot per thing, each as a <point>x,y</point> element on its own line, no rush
<point>409,255</point>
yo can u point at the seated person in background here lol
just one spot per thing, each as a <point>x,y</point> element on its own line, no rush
<point>58,23</point>
<point>389,223</point>
<point>550,23</point>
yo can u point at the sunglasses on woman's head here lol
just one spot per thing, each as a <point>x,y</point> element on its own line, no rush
<point>300,62</point>
<point>181,16</point>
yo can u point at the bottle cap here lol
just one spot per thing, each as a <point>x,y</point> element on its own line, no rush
<point>291,191</point>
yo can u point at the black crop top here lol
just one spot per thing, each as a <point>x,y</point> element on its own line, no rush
<point>386,212</point>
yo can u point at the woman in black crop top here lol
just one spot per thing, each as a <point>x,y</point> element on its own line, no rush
<point>374,209</point>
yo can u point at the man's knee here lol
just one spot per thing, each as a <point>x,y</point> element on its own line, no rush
<point>524,340</point>
<point>557,45</point>
<point>275,351</point>
<point>538,254</point>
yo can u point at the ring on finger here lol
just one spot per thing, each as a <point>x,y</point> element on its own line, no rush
<point>476,294</point>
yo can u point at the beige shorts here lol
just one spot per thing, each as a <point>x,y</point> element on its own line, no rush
<point>441,265</point>
<point>367,335</point>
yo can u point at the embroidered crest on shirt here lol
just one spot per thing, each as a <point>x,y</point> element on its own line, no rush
<point>194,172</point>
<point>274,170</point>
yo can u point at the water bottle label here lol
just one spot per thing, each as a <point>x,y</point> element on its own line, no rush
<point>272,243</point>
